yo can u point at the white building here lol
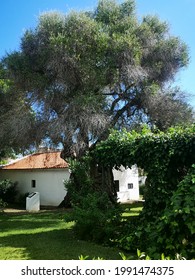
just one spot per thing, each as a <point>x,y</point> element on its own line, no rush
<point>126,181</point>
<point>41,172</point>
<point>45,173</point>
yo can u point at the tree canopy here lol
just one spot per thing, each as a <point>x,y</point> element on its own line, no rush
<point>83,73</point>
<point>16,118</point>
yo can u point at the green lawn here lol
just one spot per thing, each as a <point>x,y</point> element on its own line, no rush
<point>132,210</point>
<point>46,236</point>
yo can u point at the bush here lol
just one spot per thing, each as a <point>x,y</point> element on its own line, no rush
<point>21,199</point>
<point>96,217</point>
<point>2,204</point>
<point>165,157</point>
<point>8,191</point>
<point>166,224</point>
<point>173,233</point>
<point>178,220</point>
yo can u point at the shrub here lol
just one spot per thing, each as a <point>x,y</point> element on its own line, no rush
<point>165,157</point>
<point>166,224</point>
<point>178,220</point>
<point>96,217</point>
<point>2,204</point>
<point>8,191</point>
<point>21,199</point>
<point>173,233</point>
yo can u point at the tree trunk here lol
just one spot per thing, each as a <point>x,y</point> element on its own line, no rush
<point>66,203</point>
<point>103,180</point>
<point>101,176</point>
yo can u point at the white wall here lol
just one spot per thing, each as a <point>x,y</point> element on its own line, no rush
<point>125,177</point>
<point>49,183</point>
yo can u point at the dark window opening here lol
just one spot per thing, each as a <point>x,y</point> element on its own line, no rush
<point>116,185</point>
<point>33,183</point>
<point>130,186</point>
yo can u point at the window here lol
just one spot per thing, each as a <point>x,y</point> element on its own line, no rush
<point>33,183</point>
<point>116,185</point>
<point>130,186</point>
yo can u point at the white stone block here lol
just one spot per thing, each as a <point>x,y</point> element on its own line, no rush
<point>33,202</point>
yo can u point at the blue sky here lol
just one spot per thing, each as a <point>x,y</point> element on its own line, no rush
<point>16,16</point>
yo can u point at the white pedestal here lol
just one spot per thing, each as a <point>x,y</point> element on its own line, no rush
<point>33,202</point>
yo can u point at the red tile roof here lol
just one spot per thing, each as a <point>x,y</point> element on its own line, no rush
<point>38,161</point>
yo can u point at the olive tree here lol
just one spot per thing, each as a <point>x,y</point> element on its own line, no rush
<point>17,119</point>
<point>86,72</point>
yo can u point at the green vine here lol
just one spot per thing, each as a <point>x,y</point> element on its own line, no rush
<point>167,158</point>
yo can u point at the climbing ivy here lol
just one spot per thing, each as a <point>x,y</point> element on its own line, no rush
<point>178,220</point>
<point>166,158</point>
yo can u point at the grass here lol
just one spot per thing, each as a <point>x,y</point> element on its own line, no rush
<point>132,210</point>
<point>46,236</point>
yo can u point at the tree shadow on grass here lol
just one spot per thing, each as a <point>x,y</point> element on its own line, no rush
<point>26,221</point>
<point>45,237</point>
<point>54,245</point>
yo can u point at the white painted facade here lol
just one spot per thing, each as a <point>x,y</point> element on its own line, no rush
<point>128,183</point>
<point>48,182</point>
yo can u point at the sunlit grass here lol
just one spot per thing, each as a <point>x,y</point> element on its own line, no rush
<point>131,210</point>
<point>45,236</point>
